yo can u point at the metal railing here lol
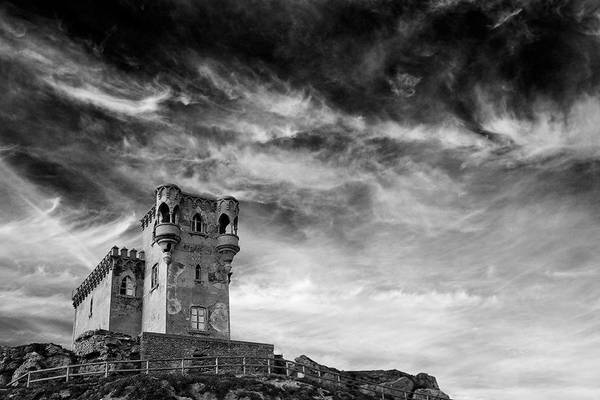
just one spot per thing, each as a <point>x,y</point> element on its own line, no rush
<point>221,364</point>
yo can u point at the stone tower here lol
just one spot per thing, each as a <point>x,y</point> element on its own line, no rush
<point>189,243</point>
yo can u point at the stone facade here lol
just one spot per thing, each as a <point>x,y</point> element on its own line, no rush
<point>99,302</point>
<point>179,283</point>
<point>176,346</point>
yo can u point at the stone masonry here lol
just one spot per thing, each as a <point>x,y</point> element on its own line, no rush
<point>177,286</point>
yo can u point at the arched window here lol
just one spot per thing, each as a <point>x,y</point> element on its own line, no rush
<point>154,276</point>
<point>198,273</point>
<point>198,318</point>
<point>197,225</point>
<point>163,213</point>
<point>175,215</point>
<point>127,286</point>
<point>223,223</point>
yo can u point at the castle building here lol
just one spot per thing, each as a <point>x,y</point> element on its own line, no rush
<point>174,292</point>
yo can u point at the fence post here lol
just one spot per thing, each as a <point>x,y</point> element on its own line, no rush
<point>244,365</point>
<point>268,366</point>
<point>319,375</point>
<point>106,369</point>
<point>339,380</point>
<point>183,366</point>
<point>147,367</point>
<point>28,378</point>
<point>67,374</point>
<point>382,393</point>
<point>287,369</point>
<point>216,365</point>
<point>405,396</point>
<point>304,371</point>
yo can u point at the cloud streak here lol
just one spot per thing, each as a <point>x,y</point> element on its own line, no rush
<point>418,190</point>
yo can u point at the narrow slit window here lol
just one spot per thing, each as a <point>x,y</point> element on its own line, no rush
<point>198,318</point>
<point>175,215</point>
<point>154,277</point>
<point>198,273</point>
<point>91,307</point>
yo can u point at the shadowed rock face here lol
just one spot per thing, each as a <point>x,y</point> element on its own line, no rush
<point>15,361</point>
<point>103,345</point>
<point>421,384</point>
<point>97,346</point>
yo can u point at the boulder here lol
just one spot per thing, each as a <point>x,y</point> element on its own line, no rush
<point>429,394</point>
<point>425,381</point>
<point>102,345</point>
<point>31,362</point>
<point>404,384</point>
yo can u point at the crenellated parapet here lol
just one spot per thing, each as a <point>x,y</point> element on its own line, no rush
<point>114,257</point>
<point>147,219</point>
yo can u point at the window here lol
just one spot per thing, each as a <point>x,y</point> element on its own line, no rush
<point>197,224</point>
<point>198,273</point>
<point>223,222</point>
<point>154,276</point>
<point>198,318</point>
<point>91,307</point>
<point>163,213</point>
<point>175,215</point>
<point>127,287</point>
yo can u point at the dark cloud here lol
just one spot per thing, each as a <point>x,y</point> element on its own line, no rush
<point>514,52</point>
<point>417,178</point>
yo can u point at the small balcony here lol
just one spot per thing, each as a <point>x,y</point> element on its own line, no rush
<point>228,240</point>
<point>228,246</point>
<point>167,233</point>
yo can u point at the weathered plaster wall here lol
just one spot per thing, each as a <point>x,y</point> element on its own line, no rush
<point>154,299</point>
<point>100,318</point>
<point>183,290</point>
<point>126,311</point>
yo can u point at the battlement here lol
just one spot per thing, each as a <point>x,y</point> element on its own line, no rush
<point>114,256</point>
<point>205,202</point>
<point>148,218</point>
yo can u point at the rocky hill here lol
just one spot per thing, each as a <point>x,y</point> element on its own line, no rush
<point>102,345</point>
<point>178,387</point>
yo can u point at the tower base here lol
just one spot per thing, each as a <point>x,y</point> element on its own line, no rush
<point>161,346</point>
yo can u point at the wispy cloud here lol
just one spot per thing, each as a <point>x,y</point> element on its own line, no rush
<point>452,231</point>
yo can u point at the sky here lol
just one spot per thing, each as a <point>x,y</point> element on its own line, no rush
<point>418,179</point>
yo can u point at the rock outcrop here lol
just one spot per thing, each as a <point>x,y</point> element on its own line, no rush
<point>92,346</point>
<point>15,361</point>
<point>420,385</point>
<point>178,387</point>
<point>101,345</point>
<point>428,394</point>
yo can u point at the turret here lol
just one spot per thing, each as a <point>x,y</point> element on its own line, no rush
<point>228,209</point>
<point>167,232</point>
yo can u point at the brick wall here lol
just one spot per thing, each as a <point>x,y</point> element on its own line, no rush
<point>160,346</point>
